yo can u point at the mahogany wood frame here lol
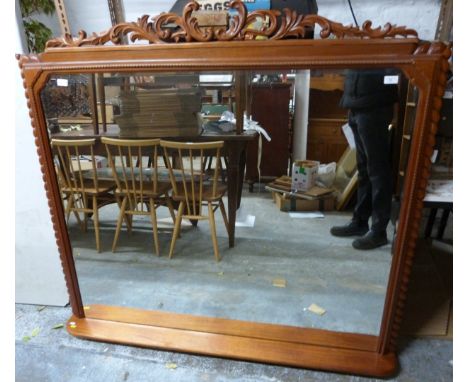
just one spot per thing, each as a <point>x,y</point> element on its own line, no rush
<point>424,63</point>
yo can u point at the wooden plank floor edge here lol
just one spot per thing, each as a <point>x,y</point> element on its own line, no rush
<point>235,347</point>
<point>239,328</point>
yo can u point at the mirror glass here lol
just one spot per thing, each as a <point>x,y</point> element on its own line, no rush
<point>322,158</point>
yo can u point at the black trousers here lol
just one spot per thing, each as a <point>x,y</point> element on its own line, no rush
<point>372,137</point>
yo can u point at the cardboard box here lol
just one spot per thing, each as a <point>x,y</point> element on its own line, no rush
<point>288,204</point>
<point>304,174</point>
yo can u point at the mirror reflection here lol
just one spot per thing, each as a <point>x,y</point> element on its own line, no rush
<point>252,195</point>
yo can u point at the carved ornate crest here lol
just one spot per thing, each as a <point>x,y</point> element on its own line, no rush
<point>172,28</point>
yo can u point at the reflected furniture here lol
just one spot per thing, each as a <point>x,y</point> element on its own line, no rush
<point>325,139</point>
<point>269,104</point>
<point>192,189</point>
<point>234,152</point>
<point>447,209</point>
<point>81,186</point>
<point>178,44</point>
<point>137,186</point>
<point>439,196</point>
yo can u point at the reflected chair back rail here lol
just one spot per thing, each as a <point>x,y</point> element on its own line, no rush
<point>137,185</point>
<point>192,189</point>
<point>83,190</point>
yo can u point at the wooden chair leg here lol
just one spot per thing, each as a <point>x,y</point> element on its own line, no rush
<point>81,204</point>
<point>170,206</point>
<point>71,207</point>
<point>196,211</point>
<point>175,234</point>
<point>129,217</point>
<point>213,230</point>
<point>119,223</point>
<point>87,213</point>
<point>77,215</point>
<point>128,222</point>
<point>223,212</point>
<point>96,223</point>
<point>68,201</point>
<point>154,222</point>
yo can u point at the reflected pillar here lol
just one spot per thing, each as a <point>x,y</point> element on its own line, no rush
<point>301,114</point>
<point>93,102</point>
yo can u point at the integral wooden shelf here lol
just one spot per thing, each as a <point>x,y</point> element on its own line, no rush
<point>277,344</point>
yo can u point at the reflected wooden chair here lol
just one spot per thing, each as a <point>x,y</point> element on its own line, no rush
<point>190,186</point>
<point>136,184</point>
<point>83,190</point>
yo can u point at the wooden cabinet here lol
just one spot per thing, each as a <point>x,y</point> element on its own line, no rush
<point>325,139</point>
<point>270,107</point>
<point>326,142</point>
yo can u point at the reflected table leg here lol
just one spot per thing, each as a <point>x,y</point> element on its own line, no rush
<point>240,178</point>
<point>235,151</point>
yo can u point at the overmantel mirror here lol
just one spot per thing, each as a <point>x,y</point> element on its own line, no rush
<point>152,142</point>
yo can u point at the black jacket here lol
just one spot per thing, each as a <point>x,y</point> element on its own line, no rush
<point>365,89</point>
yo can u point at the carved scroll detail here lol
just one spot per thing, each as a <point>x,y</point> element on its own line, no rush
<point>420,189</point>
<point>172,28</point>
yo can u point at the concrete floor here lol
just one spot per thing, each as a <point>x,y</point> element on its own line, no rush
<point>318,269</point>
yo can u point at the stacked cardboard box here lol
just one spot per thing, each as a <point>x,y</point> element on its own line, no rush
<point>293,203</point>
<point>159,113</point>
<point>304,174</point>
<point>314,199</point>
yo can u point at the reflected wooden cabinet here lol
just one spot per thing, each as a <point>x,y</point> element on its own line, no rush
<point>325,139</point>
<point>270,108</point>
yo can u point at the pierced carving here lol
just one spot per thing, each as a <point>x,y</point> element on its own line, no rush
<point>172,28</point>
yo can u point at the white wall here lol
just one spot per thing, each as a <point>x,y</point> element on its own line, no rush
<point>93,16</point>
<point>89,15</point>
<point>136,8</point>
<point>39,277</point>
<point>421,15</point>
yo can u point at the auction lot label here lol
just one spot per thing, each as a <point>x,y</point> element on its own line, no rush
<point>217,5</point>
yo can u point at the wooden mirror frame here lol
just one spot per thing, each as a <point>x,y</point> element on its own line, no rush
<point>190,47</point>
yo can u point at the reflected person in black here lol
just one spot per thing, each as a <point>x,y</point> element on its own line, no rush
<point>370,101</point>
